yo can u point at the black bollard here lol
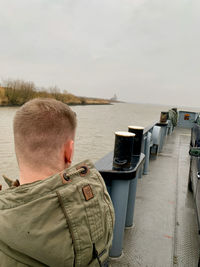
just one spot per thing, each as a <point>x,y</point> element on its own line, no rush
<point>164,116</point>
<point>123,150</point>
<point>138,131</point>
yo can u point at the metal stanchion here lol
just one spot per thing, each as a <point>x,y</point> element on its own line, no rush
<point>120,188</point>
<point>120,170</point>
<point>147,153</point>
<point>163,127</point>
<point>136,152</point>
<point>131,201</point>
<point>119,196</point>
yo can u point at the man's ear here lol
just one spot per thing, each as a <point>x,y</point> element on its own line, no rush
<point>69,150</point>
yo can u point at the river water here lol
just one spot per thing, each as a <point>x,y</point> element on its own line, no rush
<point>95,131</point>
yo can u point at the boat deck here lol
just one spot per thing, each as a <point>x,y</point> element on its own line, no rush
<point>165,225</point>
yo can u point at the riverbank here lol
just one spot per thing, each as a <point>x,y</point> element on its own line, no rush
<point>23,92</point>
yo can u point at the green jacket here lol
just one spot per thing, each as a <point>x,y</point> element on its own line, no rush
<point>64,220</point>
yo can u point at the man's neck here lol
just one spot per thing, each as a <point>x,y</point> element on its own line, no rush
<point>30,176</point>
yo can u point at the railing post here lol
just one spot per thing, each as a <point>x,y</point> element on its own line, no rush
<point>163,134</point>
<point>131,201</point>
<point>119,196</point>
<point>171,128</point>
<point>147,153</point>
<point>122,161</point>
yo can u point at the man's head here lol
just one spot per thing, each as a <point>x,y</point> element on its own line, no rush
<point>44,131</point>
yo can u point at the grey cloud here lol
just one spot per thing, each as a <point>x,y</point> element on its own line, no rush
<point>145,51</point>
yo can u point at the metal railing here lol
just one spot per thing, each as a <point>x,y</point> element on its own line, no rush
<point>122,184</point>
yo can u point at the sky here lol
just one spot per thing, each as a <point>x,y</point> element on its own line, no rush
<point>145,51</point>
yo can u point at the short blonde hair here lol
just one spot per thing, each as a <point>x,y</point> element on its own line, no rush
<point>41,127</point>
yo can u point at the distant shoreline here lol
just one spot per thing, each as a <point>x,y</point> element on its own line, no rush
<point>69,104</point>
<point>90,104</point>
<point>18,92</point>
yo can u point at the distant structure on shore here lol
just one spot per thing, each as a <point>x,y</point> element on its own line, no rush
<point>114,98</point>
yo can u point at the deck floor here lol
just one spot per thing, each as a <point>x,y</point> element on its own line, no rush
<point>165,232</point>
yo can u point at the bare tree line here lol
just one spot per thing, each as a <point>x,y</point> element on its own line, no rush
<point>17,92</point>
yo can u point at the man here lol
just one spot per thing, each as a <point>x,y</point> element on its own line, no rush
<point>57,215</point>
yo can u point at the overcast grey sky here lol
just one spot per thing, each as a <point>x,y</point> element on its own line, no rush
<point>142,50</point>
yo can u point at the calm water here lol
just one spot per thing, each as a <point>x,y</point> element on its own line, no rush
<point>95,132</point>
